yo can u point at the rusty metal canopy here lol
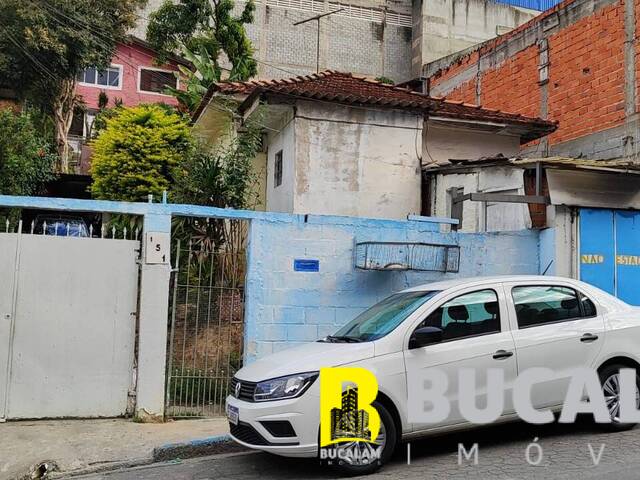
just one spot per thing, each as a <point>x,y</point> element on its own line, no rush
<point>568,163</point>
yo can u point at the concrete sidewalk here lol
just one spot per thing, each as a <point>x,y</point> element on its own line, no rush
<point>85,445</point>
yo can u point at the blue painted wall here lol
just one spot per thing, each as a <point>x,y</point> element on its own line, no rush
<point>547,248</point>
<point>285,307</point>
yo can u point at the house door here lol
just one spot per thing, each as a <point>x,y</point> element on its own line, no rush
<point>610,251</point>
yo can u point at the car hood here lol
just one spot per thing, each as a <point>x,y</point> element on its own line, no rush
<point>305,358</point>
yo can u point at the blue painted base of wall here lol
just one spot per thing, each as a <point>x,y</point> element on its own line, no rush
<point>285,307</point>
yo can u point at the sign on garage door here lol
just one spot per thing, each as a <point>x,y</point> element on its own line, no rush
<point>610,251</point>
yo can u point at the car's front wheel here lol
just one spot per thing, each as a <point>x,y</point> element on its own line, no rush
<point>367,460</point>
<point>610,381</point>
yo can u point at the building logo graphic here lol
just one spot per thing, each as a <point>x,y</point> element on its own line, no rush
<point>348,421</point>
<point>349,424</point>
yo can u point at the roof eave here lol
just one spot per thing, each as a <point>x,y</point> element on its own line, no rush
<point>527,130</point>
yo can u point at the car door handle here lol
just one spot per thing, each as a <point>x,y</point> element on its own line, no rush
<point>502,354</point>
<point>588,337</point>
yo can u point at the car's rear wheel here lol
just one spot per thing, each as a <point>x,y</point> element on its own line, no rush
<point>386,441</point>
<point>610,381</point>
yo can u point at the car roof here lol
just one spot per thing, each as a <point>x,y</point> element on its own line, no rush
<point>470,281</point>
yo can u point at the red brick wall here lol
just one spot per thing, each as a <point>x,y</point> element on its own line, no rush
<point>513,86</point>
<point>465,92</point>
<point>586,75</point>
<point>586,84</point>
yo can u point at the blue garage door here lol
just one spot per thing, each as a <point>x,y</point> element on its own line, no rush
<point>610,252</point>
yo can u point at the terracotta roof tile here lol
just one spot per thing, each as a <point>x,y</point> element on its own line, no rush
<point>346,88</point>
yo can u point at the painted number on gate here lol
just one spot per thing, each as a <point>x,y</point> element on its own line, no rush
<point>157,250</point>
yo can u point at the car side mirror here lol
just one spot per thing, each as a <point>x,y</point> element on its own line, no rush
<point>425,336</point>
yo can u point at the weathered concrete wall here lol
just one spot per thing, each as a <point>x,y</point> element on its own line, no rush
<point>366,162</point>
<point>482,216</point>
<point>285,308</point>
<point>356,161</point>
<point>281,198</point>
<point>448,26</point>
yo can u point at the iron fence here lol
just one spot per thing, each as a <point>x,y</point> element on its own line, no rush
<point>206,324</point>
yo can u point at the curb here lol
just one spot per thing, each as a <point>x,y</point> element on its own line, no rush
<point>197,448</point>
<point>94,469</point>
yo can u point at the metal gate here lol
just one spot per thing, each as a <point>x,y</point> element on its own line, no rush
<point>67,322</point>
<point>207,316</point>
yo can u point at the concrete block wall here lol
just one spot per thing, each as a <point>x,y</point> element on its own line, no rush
<point>346,44</point>
<point>284,308</point>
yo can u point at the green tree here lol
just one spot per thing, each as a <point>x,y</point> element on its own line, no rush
<point>205,31</point>
<point>195,82</point>
<point>26,160</point>
<point>223,176</point>
<point>139,152</point>
<point>45,44</point>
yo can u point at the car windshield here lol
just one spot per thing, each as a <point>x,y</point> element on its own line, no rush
<point>382,318</point>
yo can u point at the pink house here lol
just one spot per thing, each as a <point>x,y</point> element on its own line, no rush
<point>132,78</point>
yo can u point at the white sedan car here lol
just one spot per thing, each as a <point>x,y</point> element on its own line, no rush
<point>510,322</point>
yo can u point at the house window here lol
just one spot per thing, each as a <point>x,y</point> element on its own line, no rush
<point>277,172</point>
<point>156,81</point>
<point>110,78</point>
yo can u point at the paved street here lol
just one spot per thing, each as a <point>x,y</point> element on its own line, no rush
<point>502,451</point>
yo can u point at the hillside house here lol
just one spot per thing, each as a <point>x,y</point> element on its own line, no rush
<point>340,144</point>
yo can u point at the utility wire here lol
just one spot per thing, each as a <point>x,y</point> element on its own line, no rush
<point>79,22</point>
<point>29,56</point>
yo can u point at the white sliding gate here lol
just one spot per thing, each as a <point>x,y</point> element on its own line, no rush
<point>67,325</point>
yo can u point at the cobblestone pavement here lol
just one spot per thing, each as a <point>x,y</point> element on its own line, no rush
<point>501,455</point>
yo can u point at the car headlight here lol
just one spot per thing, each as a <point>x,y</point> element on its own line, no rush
<point>281,388</point>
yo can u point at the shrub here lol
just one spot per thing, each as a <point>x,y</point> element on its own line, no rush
<point>27,160</point>
<point>138,152</point>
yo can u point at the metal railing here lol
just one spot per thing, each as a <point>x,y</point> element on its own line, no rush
<point>69,228</point>
<point>206,327</point>
<point>407,256</point>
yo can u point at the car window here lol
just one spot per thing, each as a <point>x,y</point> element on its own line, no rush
<point>588,308</point>
<point>538,305</point>
<point>471,314</point>
<point>384,317</point>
